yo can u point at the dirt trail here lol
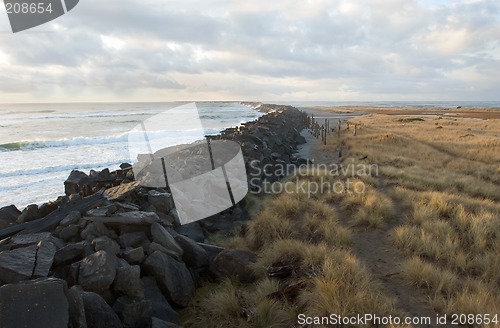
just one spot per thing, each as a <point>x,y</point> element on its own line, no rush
<point>375,249</point>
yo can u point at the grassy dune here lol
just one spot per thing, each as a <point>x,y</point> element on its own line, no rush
<point>432,207</point>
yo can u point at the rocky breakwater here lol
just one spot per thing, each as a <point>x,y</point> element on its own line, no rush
<point>111,253</point>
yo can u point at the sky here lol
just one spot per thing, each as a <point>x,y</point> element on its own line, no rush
<point>287,50</point>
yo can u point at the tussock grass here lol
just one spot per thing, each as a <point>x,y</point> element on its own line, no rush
<point>426,275</point>
<point>230,305</point>
<point>344,285</point>
<point>289,216</point>
<point>447,180</point>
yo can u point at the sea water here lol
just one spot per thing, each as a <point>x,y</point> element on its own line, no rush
<point>41,143</point>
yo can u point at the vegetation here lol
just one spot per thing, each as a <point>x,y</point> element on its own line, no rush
<point>435,196</point>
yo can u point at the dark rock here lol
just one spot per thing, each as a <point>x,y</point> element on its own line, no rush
<point>68,254</point>
<point>194,255</point>
<point>134,312</point>
<point>8,215</point>
<point>165,239</point>
<point>133,217</point>
<point>44,259</point>
<point>97,271</point>
<point>111,208</point>
<point>174,214</point>
<point>104,175</point>
<point>104,243</point>
<point>35,304</point>
<point>128,281</point>
<point>17,265</point>
<point>72,218</point>
<point>98,212</point>
<point>30,213</point>
<point>125,166</point>
<point>172,276</point>
<point>132,239</point>
<point>134,256</point>
<point>75,182</point>
<point>162,201</point>
<point>212,250</point>
<point>160,306</point>
<point>29,239</point>
<point>76,197</point>
<point>76,309</point>
<point>158,323</point>
<point>234,262</point>
<point>192,230</point>
<point>98,313</point>
<point>153,247</point>
<point>96,229</point>
<point>47,208</point>
<point>70,232</point>
<point>127,206</point>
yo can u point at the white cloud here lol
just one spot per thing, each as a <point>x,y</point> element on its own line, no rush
<point>313,49</point>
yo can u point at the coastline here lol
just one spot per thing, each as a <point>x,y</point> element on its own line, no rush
<point>108,240</point>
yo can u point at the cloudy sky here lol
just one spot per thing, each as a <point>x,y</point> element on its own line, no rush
<point>163,50</point>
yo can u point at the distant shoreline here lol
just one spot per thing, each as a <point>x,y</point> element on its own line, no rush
<point>464,112</point>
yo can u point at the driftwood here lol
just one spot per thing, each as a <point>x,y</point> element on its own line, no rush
<point>52,220</point>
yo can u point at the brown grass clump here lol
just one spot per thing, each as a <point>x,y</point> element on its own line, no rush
<point>435,192</point>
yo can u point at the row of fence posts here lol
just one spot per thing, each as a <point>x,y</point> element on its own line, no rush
<point>325,130</point>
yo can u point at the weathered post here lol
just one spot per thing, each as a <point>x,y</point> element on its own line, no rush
<point>355,126</point>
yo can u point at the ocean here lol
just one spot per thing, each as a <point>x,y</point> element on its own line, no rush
<point>41,143</point>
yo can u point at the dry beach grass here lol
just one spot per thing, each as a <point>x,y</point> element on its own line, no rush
<point>423,238</point>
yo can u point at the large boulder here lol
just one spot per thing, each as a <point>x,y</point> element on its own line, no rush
<point>132,239</point>
<point>68,254</point>
<point>97,271</point>
<point>234,263</point>
<point>76,309</point>
<point>192,230</point>
<point>98,313</point>
<point>75,182</point>
<point>44,258</point>
<point>194,256</point>
<point>8,215</point>
<point>104,243</point>
<point>17,265</point>
<point>35,304</point>
<point>160,306</point>
<point>70,232</point>
<point>23,240</point>
<point>165,239</point>
<point>46,208</point>
<point>128,282</point>
<point>134,312</point>
<point>133,255</point>
<point>30,213</point>
<point>162,201</point>
<point>96,229</point>
<point>72,218</point>
<point>26,263</point>
<point>172,276</point>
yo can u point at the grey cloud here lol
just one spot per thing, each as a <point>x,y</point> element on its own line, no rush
<point>396,47</point>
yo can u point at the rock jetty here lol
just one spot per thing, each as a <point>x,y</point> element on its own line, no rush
<point>110,253</point>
